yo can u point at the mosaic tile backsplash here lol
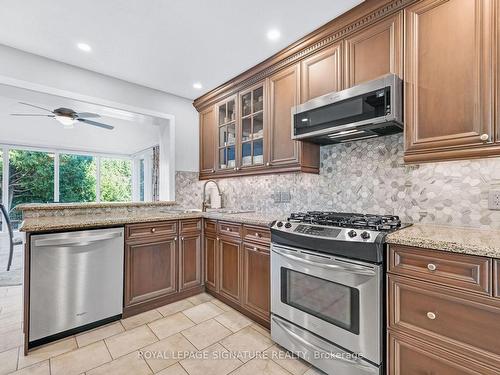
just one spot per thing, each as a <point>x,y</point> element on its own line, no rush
<point>367,176</point>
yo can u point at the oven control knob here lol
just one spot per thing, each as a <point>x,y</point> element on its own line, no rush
<point>288,225</point>
<point>279,224</point>
<point>352,233</point>
<point>365,235</point>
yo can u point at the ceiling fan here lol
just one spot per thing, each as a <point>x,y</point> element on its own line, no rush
<point>67,117</point>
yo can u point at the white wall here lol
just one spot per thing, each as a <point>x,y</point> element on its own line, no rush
<point>17,65</point>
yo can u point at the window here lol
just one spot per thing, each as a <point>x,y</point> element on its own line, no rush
<point>116,180</point>
<point>31,180</point>
<point>77,178</point>
<point>141,180</point>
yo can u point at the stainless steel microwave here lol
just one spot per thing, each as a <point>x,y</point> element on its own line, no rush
<point>368,110</point>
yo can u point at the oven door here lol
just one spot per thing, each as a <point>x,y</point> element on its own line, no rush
<point>336,298</point>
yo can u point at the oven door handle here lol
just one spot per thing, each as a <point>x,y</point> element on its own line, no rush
<point>330,265</point>
<point>286,327</point>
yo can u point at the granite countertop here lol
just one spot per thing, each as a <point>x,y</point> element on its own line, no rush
<point>70,222</point>
<point>470,241</point>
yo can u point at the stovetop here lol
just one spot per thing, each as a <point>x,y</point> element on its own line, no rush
<point>354,235</point>
<point>347,220</point>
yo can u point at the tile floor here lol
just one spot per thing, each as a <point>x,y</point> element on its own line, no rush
<point>196,336</point>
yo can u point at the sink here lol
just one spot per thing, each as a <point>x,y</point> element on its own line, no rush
<point>180,211</point>
<point>228,211</point>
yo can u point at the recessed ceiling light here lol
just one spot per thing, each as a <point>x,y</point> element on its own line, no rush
<point>273,34</point>
<point>84,47</point>
<point>197,85</point>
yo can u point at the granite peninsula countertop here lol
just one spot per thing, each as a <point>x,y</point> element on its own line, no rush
<point>472,241</point>
<point>98,220</point>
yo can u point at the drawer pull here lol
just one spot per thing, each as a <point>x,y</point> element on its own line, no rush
<point>431,315</point>
<point>484,137</point>
<point>228,229</point>
<point>153,230</point>
<point>254,249</point>
<point>257,234</point>
<point>431,267</point>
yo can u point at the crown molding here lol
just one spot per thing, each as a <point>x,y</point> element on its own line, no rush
<point>363,15</point>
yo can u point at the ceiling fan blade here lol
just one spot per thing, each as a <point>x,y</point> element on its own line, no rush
<point>35,106</point>
<point>95,123</point>
<point>29,114</point>
<point>87,115</point>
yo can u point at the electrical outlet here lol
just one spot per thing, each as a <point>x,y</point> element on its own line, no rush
<point>494,200</point>
<point>277,197</point>
<point>285,196</point>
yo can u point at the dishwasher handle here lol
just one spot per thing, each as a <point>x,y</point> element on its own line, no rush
<point>76,241</point>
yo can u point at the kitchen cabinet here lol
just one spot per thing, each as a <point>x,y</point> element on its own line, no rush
<point>321,73</point>
<point>374,51</point>
<point>207,141</point>
<point>190,273</point>
<point>284,93</point>
<point>237,266</point>
<point>226,113</point>
<point>230,268</point>
<point>449,79</point>
<point>441,302</point>
<point>211,245</point>
<point>256,279</point>
<point>151,269</point>
<point>163,263</point>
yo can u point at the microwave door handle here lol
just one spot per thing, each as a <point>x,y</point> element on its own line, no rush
<point>312,346</point>
<point>352,268</point>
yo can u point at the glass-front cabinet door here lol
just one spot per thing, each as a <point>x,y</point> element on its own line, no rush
<point>252,127</point>
<point>227,135</point>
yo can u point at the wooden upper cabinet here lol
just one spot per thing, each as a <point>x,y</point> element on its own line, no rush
<point>321,73</point>
<point>207,141</point>
<point>284,94</point>
<point>448,79</point>
<point>374,51</point>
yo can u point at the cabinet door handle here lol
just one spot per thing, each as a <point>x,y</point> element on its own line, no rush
<point>217,238</point>
<point>431,267</point>
<point>213,170</point>
<point>431,315</point>
<point>254,248</point>
<point>175,238</point>
<point>182,238</point>
<point>484,137</point>
<point>153,230</point>
<point>268,164</point>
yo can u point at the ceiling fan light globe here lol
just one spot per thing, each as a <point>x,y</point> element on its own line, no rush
<point>67,122</point>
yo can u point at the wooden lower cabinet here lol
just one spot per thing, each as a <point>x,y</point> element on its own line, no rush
<point>190,272</point>
<point>447,310</point>
<point>211,244</point>
<point>150,270</point>
<point>496,277</point>
<point>256,279</point>
<point>230,268</point>
<point>410,356</point>
<point>161,266</point>
<point>237,271</point>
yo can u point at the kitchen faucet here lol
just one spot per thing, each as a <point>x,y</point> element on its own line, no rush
<point>204,203</point>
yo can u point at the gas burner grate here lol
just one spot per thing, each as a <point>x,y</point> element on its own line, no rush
<point>347,220</point>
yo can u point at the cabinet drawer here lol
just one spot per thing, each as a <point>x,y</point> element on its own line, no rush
<point>460,321</point>
<point>210,226</point>
<point>229,229</point>
<point>408,355</point>
<point>189,226</point>
<point>259,234</point>
<point>148,230</point>
<point>455,270</point>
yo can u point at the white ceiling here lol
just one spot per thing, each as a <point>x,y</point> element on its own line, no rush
<point>132,133</point>
<point>167,45</point>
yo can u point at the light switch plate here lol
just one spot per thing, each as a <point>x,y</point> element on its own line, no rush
<point>494,199</point>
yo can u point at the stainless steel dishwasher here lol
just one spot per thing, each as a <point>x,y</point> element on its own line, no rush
<point>76,282</point>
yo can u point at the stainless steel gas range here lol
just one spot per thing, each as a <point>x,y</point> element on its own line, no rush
<point>327,289</point>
